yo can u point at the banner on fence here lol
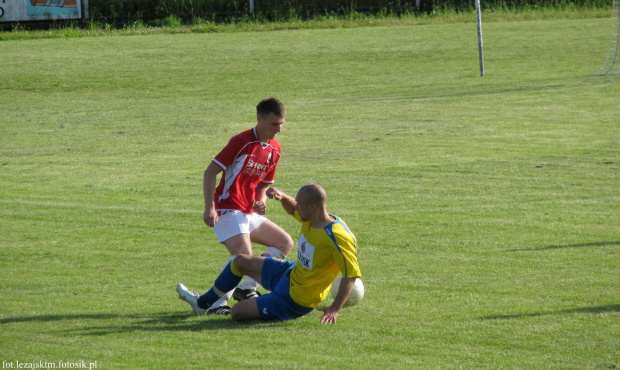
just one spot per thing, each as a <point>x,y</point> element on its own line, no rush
<point>40,10</point>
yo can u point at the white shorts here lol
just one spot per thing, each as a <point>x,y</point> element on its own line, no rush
<point>233,222</point>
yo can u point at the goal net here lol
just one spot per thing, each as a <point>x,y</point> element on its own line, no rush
<point>612,64</point>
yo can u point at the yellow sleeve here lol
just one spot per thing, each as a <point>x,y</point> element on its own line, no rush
<point>346,255</point>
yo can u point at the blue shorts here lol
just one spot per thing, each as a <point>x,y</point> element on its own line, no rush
<point>278,305</point>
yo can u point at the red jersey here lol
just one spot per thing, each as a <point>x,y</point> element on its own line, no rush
<point>246,162</point>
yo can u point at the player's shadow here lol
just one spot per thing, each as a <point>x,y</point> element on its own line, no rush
<point>592,310</point>
<point>104,324</point>
<point>566,246</point>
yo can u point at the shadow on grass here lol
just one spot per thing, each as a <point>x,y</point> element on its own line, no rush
<point>104,324</point>
<point>583,245</point>
<point>597,309</point>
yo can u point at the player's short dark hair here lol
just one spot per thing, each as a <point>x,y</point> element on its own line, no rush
<point>314,194</point>
<point>270,105</point>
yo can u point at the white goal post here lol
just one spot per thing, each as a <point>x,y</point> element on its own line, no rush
<point>612,64</point>
<point>480,49</point>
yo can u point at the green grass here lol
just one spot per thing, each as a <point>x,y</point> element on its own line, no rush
<point>486,208</point>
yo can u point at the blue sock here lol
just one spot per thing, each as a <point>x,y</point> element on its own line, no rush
<point>224,283</point>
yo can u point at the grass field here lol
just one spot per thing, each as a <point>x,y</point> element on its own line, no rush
<point>486,208</point>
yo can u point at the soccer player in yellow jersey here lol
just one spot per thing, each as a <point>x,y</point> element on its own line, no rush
<point>326,248</point>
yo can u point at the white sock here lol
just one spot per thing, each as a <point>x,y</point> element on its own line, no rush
<point>248,283</point>
<point>273,252</point>
<point>223,301</point>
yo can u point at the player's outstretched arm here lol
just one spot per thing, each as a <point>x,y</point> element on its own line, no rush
<point>330,314</point>
<point>288,202</point>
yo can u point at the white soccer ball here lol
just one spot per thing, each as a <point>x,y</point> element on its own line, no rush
<point>357,293</point>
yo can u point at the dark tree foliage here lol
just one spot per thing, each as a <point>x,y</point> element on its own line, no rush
<point>125,11</point>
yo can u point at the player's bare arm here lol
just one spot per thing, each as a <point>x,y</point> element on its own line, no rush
<point>208,188</point>
<point>288,202</point>
<point>330,314</point>
<point>260,198</point>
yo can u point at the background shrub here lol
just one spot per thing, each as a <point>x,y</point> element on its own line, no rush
<point>123,12</point>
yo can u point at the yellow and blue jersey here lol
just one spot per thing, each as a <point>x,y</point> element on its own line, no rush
<point>322,254</point>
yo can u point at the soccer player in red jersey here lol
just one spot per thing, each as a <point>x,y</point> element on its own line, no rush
<point>235,208</point>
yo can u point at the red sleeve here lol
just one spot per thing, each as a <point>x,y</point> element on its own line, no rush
<point>271,177</point>
<point>227,155</point>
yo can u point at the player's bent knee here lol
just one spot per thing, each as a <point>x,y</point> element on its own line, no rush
<point>270,234</point>
<point>242,262</point>
<point>286,245</point>
<point>251,266</point>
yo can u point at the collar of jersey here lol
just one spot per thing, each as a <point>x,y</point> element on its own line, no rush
<point>257,138</point>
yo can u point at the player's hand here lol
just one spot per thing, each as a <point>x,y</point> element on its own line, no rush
<point>210,217</point>
<point>259,207</point>
<point>273,193</point>
<point>329,315</point>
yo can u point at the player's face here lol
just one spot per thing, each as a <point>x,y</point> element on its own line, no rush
<point>303,208</point>
<point>268,127</point>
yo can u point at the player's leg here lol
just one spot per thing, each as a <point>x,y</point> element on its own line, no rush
<point>272,235</point>
<point>236,245</point>
<point>250,266</point>
<point>232,230</point>
<point>253,268</point>
<point>245,310</point>
<point>279,243</point>
<point>239,244</point>
<point>265,270</point>
<point>227,280</point>
<point>277,305</point>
